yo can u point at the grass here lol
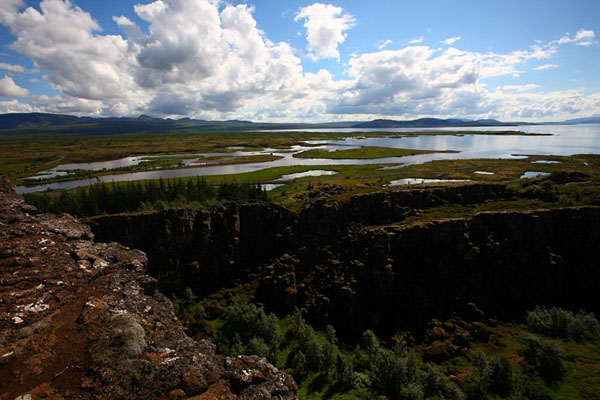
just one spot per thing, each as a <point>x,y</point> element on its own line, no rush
<point>362,153</point>
<point>360,179</point>
<point>23,155</point>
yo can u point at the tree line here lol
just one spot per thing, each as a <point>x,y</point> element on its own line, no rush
<point>101,198</point>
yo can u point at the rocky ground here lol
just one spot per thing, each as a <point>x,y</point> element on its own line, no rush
<point>80,319</point>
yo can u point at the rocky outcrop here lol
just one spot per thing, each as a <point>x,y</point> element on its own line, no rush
<point>351,264</point>
<point>399,277</point>
<point>202,249</point>
<point>81,319</point>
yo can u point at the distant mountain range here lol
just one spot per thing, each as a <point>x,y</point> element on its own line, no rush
<point>591,120</point>
<point>432,123</point>
<point>41,122</point>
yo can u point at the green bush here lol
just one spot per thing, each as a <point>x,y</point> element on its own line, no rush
<point>300,365</point>
<point>546,357</point>
<point>392,376</point>
<point>500,379</point>
<point>564,324</point>
<point>535,389</point>
<point>437,385</point>
<point>343,371</point>
<point>247,329</point>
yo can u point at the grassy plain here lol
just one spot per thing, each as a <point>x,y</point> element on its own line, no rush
<point>362,153</point>
<point>25,155</point>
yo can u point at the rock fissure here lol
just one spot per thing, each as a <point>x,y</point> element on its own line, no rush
<point>349,263</point>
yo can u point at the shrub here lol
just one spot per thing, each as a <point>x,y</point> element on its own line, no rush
<point>437,385</point>
<point>343,371</point>
<point>546,357</point>
<point>360,380</point>
<point>392,376</point>
<point>370,343</point>
<point>559,323</point>
<point>501,377</point>
<point>481,367</point>
<point>300,365</point>
<point>330,334</point>
<point>247,329</point>
<point>535,389</point>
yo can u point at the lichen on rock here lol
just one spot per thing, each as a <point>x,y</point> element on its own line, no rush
<point>82,320</point>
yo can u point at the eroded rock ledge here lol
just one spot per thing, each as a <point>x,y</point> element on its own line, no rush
<point>80,319</point>
<point>355,265</point>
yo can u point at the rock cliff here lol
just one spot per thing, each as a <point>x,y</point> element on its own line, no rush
<point>351,264</point>
<point>81,319</point>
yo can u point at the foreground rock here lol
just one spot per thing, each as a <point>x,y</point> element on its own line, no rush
<point>80,319</point>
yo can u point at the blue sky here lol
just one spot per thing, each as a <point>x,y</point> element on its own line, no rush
<point>295,60</point>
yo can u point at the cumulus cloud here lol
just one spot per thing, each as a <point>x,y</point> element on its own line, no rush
<point>12,67</point>
<point>62,39</point>
<point>583,37</point>
<point>15,106</point>
<point>545,66</point>
<point>8,88</point>
<point>208,59</point>
<point>325,26</point>
<point>8,10</point>
<point>451,40</point>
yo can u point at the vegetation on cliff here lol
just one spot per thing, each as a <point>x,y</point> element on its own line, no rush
<point>514,363</point>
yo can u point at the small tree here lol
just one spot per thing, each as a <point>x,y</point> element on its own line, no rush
<point>481,366</point>
<point>330,334</point>
<point>300,365</point>
<point>501,377</point>
<point>546,357</point>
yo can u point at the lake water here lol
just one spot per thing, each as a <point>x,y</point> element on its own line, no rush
<point>418,181</point>
<point>565,140</point>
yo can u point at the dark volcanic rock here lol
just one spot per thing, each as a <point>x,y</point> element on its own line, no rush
<point>205,249</point>
<point>350,264</point>
<point>80,319</point>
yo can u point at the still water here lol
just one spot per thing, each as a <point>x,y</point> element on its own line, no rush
<point>564,140</point>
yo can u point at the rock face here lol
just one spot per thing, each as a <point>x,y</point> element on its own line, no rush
<point>348,263</point>
<point>205,249</point>
<point>80,319</point>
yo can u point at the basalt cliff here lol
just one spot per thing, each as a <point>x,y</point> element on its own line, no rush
<point>355,264</point>
<point>81,319</point>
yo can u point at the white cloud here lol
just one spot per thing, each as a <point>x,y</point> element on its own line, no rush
<point>8,10</point>
<point>520,88</point>
<point>8,88</point>
<point>62,39</point>
<point>208,59</point>
<point>12,67</point>
<point>451,40</point>
<point>418,40</point>
<point>383,44</point>
<point>325,29</point>
<point>583,37</point>
<point>545,66</point>
<point>15,106</point>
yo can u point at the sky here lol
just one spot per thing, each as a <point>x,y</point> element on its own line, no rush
<point>302,61</point>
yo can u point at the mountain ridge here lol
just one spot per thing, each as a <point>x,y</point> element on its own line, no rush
<point>34,122</point>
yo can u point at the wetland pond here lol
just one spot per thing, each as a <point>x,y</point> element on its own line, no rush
<point>564,140</point>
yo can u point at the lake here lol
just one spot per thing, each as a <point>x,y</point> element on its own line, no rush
<point>565,140</point>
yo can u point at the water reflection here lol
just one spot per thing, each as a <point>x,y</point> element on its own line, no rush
<point>418,181</point>
<point>533,174</point>
<point>566,140</point>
